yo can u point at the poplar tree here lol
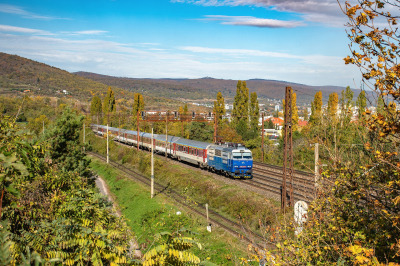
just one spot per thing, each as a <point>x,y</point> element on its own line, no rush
<point>333,106</point>
<point>109,102</point>
<point>219,107</point>
<point>316,108</point>
<point>361,104</point>
<point>185,109</point>
<point>138,106</point>
<point>346,102</point>
<point>96,106</point>
<point>254,112</point>
<point>241,103</point>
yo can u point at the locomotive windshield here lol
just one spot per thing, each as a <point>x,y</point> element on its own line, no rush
<point>237,155</point>
<point>246,155</point>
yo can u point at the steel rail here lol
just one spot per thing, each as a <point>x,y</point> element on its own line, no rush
<point>181,200</point>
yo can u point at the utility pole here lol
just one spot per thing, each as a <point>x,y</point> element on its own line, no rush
<point>107,145</point>
<point>287,151</point>
<point>119,126</point>
<point>215,127</point>
<point>262,137</point>
<point>316,153</point>
<point>138,129</point>
<point>166,136</point>
<point>152,164</point>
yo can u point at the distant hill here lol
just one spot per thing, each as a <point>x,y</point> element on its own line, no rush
<point>18,74</point>
<point>207,88</point>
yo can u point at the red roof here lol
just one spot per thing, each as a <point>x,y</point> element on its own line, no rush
<point>302,123</point>
<point>276,120</point>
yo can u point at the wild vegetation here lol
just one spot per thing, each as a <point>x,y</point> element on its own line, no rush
<point>355,217</point>
<point>50,210</point>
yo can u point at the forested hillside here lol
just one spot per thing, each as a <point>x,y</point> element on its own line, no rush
<point>207,88</point>
<point>19,74</point>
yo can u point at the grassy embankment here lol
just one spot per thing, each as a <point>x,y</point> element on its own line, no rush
<point>229,200</point>
<point>148,216</point>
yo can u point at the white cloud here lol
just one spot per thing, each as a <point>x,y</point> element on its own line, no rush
<point>11,9</point>
<point>7,28</point>
<point>85,32</point>
<point>253,21</point>
<point>120,59</point>
<point>318,60</point>
<point>320,11</point>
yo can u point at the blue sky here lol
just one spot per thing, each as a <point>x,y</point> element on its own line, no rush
<point>302,41</point>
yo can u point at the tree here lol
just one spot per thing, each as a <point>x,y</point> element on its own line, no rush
<point>200,131</point>
<point>346,102</point>
<point>36,124</point>
<point>305,114</point>
<point>173,250</point>
<point>357,216</point>
<point>66,150</point>
<point>138,103</point>
<point>138,106</point>
<point>229,134</point>
<point>254,113</point>
<point>219,107</point>
<point>333,103</point>
<point>316,109</point>
<point>185,109</point>
<point>380,106</point>
<point>241,103</point>
<point>96,106</point>
<point>54,212</point>
<point>361,104</point>
<point>109,102</point>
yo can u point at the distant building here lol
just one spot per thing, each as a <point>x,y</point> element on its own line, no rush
<point>228,106</point>
<point>302,123</point>
<point>277,108</point>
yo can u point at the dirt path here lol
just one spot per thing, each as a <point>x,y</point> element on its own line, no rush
<point>101,184</point>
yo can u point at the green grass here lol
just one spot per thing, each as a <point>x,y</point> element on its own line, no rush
<point>229,200</point>
<point>148,216</point>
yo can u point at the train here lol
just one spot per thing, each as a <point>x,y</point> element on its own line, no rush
<point>229,159</point>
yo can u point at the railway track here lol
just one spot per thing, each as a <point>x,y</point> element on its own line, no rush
<point>268,178</point>
<point>214,217</point>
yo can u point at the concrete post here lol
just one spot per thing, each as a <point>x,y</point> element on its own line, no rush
<point>152,164</point>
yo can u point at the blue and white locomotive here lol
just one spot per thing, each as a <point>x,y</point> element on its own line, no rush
<point>233,160</point>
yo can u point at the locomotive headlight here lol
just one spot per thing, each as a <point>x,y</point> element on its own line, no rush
<point>249,166</point>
